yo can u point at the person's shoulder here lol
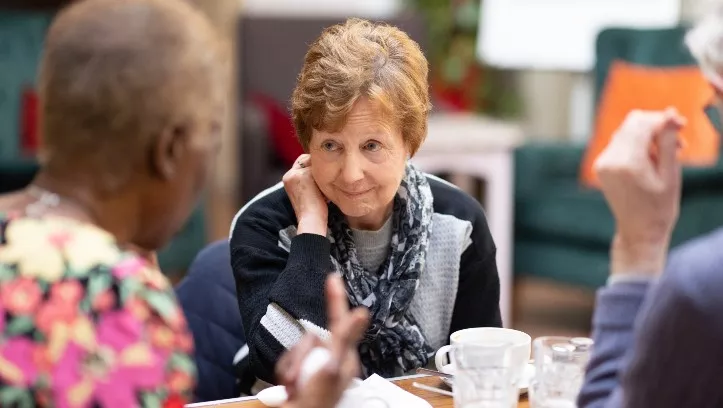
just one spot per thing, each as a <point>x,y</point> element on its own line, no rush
<point>451,200</point>
<point>270,208</point>
<point>68,268</point>
<point>73,249</point>
<point>696,268</point>
<point>701,257</point>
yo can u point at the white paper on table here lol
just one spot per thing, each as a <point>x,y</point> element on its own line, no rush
<point>376,392</point>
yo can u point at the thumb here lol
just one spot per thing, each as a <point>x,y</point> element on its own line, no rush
<point>667,141</point>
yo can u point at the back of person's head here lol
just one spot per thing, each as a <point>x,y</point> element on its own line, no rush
<point>133,96</point>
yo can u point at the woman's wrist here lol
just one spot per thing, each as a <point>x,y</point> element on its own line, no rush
<point>312,224</point>
<point>640,258</point>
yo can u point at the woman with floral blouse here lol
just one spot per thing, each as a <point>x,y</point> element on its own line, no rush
<point>132,98</point>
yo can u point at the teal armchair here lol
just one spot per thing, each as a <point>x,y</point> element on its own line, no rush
<point>562,229</point>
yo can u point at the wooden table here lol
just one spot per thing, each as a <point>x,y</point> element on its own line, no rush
<point>437,400</point>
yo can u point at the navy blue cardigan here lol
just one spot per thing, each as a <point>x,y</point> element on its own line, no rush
<point>208,297</point>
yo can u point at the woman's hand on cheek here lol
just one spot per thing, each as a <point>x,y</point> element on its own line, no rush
<point>308,201</point>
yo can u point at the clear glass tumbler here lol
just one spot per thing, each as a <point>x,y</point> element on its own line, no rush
<point>560,364</point>
<point>484,376</point>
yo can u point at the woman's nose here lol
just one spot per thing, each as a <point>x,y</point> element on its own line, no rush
<point>353,170</point>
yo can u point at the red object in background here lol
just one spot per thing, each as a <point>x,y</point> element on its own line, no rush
<point>461,97</point>
<point>29,123</point>
<point>174,401</point>
<point>281,129</point>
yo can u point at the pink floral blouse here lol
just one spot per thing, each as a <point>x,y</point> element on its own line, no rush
<point>83,323</point>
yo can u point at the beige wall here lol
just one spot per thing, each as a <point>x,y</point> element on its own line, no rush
<point>221,204</point>
<point>546,99</point>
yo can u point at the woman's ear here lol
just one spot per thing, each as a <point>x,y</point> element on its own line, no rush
<point>168,150</point>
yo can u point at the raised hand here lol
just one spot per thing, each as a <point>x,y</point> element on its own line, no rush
<point>640,177</point>
<point>324,389</point>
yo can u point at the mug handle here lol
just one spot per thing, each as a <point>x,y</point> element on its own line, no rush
<point>441,359</point>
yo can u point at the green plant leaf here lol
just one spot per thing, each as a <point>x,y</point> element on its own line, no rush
<point>162,302</point>
<point>15,397</point>
<point>39,337</point>
<point>182,362</point>
<point>98,284</point>
<point>19,325</point>
<point>7,272</point>
<point>128,287</point>
<point>151,400</point>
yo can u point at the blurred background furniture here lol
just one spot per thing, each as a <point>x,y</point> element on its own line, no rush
<point>464,144</point>
<point>563,230</point>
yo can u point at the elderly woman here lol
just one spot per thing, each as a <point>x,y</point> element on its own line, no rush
<point>412,249</point>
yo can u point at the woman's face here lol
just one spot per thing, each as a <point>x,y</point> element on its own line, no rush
<point>360,167</point>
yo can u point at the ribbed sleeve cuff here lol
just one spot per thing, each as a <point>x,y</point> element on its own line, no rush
<point>311,252</point>
<point>618,304</point>
<point>299,290</point>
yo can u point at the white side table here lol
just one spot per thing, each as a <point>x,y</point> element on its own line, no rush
<point>463,144</point>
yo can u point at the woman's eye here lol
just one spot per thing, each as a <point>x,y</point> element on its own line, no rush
<point>373,146</point>
<point>328,146</point>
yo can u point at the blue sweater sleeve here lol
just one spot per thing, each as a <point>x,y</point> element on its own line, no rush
<point>658,346</point>
<point>613,322</point>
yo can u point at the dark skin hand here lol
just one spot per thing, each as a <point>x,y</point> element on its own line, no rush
<point>326,387</point>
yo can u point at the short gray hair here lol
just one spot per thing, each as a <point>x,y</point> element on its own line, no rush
<point>114,73</point>
<point>705,42</point>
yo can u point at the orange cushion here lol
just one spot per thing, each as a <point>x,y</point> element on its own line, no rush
<point>630,87</point>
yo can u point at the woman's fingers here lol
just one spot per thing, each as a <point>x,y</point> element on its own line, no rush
<point>350,366</point>
<point>337,304</point>
<point>346,327</point>
<point>303,161</point>
<point>289,366</point>
<point>347,333</point>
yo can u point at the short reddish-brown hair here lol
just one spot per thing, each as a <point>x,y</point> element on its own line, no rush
<point>362,59</point>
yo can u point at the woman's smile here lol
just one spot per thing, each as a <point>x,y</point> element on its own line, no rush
<point>355,194</point>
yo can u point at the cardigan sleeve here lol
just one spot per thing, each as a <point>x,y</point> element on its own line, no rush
<point>658,344</point>
<point>478,296</point>
<point>280,291</point>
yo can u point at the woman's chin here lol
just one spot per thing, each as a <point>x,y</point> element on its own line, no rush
<point>354,210</point>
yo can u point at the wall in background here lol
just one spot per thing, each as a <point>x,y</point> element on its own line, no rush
<point>559,105</point>
<point>324,8</point>
<point>222,203</point>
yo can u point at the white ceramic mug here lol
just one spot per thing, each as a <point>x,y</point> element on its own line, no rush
<point>520,341</point>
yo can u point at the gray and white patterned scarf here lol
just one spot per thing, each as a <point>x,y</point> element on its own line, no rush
<point>393,340</point>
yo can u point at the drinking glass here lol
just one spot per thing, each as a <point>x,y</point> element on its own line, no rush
<point>559,371</point>
<point>484,376</point>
